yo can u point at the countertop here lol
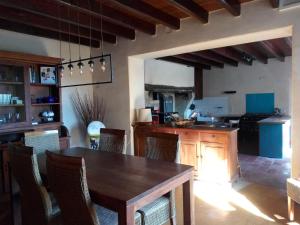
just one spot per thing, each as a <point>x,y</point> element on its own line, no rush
<point>197,127</point>
<point>275,120</point>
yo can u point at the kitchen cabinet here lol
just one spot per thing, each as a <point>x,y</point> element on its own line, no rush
<point>212,151</point>
<point>190,153</point>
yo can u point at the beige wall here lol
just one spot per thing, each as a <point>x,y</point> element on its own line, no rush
<point>258,21</point>
<point>274,77</point>
<point>167,73</point>
<point>12,41</point>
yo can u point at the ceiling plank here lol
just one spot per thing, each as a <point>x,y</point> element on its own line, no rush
<point>233,6</point>
<point>47,9</point>
<point>275,3</point>
<point>26,29</point>
<point>192,8</point>
<point>111,14</point>
<point>184,62</point>
<point>30,19</point>
<point>271,49</point>
<point>252,50</point>
<point>232,54</point>
<point>143,8</point>
<point>198,59</point>
<point>208,54</point>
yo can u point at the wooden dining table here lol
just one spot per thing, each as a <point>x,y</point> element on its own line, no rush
<point>125,183</point>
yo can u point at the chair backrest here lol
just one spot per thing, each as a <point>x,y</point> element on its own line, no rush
<point>112,140</point>
<point>67,179</point>
<point>42,140</point>
<point>36,208</point>
<point>161,146</point>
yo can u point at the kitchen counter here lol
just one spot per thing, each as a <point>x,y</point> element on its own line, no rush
<point>211,150</point>
<point>202,127</point>
<point>275,120</point>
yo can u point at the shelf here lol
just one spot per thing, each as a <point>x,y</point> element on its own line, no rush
<point>11,83</point>
<point>12,105</point>
<point>44,104</point>
<point>43,85</point>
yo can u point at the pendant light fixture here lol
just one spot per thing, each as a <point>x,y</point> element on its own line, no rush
<point>80,63</point>
<point>102,59</point>
<point>91,61</point>
<point>61,68</point>
<point>70,66</point>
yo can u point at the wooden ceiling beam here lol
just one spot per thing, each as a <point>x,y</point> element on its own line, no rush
<point>26,29</point>
<point>198,59</point>
<point>192,8</point>
<point>271,49</point>
<point>47,9</point>
<point>175,59</point>
<point>148,10</point>
<point>251,50</point>
<point>51,25</point>
<point>233,6</point>
<point>208,54</point>
<point>110,14</point>
<point>233,54</point>
<point>275,3</point>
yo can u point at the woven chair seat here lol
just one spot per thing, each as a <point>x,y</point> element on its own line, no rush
<point>108,217</point>
<point>157,212</point>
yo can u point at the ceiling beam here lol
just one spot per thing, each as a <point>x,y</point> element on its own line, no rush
<point>184,62</point>
<point>271,49</point>
<point>198,59</point>
<point>33,20</point>
<point>148,10</point>
<point>275,3</point>
<point>208,54</point>
<point>233,54</point>
<point>46,9</point>
<point>233,6</point>
<point>251,50</point>
<point>25,29</point>
<point>110,14</point>
<point>192,8</point>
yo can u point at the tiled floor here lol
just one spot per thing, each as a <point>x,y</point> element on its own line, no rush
<point>265,171</point>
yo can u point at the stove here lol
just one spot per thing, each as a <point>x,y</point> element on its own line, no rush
<point>248,134</point>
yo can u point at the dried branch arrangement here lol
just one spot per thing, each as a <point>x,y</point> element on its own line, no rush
<point>88,108</point>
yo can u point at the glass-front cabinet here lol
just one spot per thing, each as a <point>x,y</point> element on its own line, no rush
<point>13,95</point>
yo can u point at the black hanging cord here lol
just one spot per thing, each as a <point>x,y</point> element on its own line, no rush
<point>78,31</point>
<point>90,8</point>
<point>101,26</point>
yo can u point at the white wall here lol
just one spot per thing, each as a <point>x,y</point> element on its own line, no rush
<point>274,77</point>
<point>167,73</point>
<point>258,21</point>
<point>12,41</point>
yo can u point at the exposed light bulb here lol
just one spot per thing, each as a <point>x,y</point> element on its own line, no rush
<point>91,63</point>
<point>80,66</point>
<point>70,66</point>
<point>103,64</point>
<point>61,70</point>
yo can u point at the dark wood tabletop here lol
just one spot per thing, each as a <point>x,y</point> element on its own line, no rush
<point>126,183</point>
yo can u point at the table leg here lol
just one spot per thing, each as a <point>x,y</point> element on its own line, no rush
<point>11,195</point>
<point>188,203</point>
<point>126,216</point>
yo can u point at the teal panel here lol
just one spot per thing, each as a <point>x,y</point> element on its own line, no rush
<point>270,140</point>
<point>260,103</point>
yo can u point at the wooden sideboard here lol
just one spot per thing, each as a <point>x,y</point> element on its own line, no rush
<point>212,151</point>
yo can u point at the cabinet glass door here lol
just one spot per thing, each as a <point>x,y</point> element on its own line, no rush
<point>12,95</point>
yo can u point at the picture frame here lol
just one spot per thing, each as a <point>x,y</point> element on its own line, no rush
<point>48,74</point>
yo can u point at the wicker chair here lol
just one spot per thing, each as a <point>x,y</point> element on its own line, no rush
<point>67,178</point>
<point>160,146</point>
<point>42,141</point>
<point>112,140</point>
<point>36,207</point>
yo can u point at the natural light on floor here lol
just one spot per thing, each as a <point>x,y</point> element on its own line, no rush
<point>227,199</point>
